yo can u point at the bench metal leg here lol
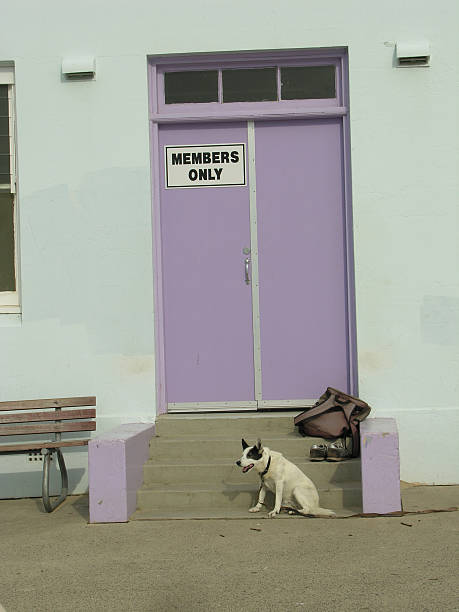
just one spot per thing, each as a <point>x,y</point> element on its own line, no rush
<point>47,452</point>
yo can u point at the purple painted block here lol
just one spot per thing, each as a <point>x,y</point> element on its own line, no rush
<point>116,461</point>
<point>380,466</point>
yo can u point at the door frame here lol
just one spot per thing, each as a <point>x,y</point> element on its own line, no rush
<point>249,111</point>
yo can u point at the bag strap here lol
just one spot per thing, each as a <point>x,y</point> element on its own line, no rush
<point>325,406</point>
<point>345,398</point>
<point>331,398</point>
<point>353,421</point>
<point>347,409</point>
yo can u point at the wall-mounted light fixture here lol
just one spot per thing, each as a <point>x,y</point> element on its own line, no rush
<point>410,54</point>
<point>74,68</point>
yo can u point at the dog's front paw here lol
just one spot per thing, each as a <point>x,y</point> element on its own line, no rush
<point>272,514</point>
<point>255,509</point>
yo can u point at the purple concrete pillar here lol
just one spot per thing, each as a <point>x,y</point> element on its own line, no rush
<point>116,461</point>
<point>380,466</point>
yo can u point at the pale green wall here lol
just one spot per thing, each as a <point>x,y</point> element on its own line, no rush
<point>84,197</point>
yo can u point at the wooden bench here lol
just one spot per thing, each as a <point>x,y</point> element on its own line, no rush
<point>20,418</point>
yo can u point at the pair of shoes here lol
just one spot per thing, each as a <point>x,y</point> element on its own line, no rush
<point>336,451</point>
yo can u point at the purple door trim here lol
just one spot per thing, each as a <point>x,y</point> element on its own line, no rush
<point>160,366</point>
<point>293,112</point>
<point>180,61</point>
<point>160,371</point>
<point>349,234</point>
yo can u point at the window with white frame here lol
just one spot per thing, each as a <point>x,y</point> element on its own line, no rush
<point>9,293</point>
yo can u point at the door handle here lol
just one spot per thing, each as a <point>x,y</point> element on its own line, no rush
<point>246,268</point>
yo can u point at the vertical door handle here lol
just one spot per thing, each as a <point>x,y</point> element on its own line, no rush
<point>246,267</point>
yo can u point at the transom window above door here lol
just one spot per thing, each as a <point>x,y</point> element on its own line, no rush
<point>242,85</point>
<point>258,84</point>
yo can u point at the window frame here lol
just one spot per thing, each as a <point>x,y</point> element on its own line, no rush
<point>159,65</point>
<point>10,300</point>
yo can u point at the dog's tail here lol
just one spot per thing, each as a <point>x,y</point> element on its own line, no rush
<point>323,512</point>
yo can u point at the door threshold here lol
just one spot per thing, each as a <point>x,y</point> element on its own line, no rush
<point>177,407</point>
<point>251,406</point>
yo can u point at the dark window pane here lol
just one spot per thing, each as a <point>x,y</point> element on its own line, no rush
<point>4,110</point>
<point>3,91</point>
<point>301,83</point>
<point>4,126</point>
<point>4,164</point>
<point>4,180</point>
<point>192,86</point>
<point>249,85</point>
<point>4,145</point>
<point>7,274</point>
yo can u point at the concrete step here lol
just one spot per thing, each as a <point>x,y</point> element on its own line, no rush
<point>225,472</point>
<point>236,425</point>
<point>201,449</point>
<point>191,472</point>
<point>168,499</point>
<point>227,514</point>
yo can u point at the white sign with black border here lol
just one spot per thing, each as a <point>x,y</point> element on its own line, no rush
<point>216,165</point>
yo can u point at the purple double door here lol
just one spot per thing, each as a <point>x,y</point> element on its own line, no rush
<point>255,292</point>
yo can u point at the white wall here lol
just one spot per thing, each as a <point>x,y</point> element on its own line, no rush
<point>84,196</point>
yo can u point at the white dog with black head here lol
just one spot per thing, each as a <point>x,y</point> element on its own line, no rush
<point>290,486</point>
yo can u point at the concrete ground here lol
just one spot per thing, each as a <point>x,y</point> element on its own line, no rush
<point>60,562</point>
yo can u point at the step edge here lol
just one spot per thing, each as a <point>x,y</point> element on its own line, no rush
<point>348,485</point>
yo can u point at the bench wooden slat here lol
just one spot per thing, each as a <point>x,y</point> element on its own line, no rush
<point>64,402</point>
<point>19,430</point>
<point>56,415</point>
<point>7,448</point>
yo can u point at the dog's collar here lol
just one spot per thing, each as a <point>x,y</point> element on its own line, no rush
<point>266,469</point>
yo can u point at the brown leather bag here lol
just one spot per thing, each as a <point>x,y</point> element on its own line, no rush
<point>335,415</point>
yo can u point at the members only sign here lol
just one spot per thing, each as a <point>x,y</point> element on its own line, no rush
<point>220,165</point>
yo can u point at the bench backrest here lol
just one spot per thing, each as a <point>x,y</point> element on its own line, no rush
<point>19,418</point>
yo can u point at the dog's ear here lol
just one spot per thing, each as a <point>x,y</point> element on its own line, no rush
<point>244,444</point>
<point>259,446</point>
